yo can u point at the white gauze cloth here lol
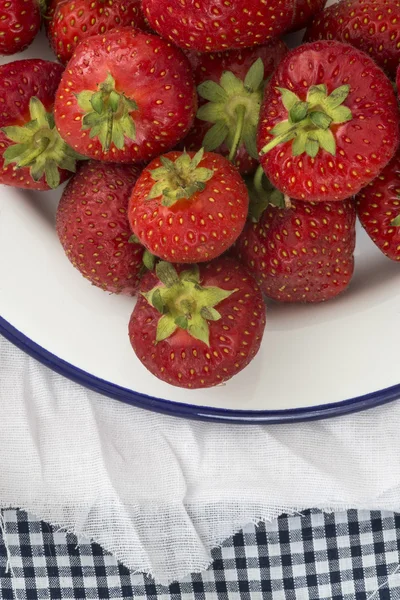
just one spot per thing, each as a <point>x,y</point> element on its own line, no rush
<point>160,492</point>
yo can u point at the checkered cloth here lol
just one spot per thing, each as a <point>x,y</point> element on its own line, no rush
<point>350,555</point>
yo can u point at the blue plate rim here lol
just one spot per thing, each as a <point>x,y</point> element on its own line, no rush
<point>190,411</point>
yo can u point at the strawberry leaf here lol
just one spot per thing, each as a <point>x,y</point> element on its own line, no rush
<point>317,94</point>
<point>338,96</point>
<point>312,147</point>
<point>341,114</point>
<point>209,313</point>
<point>289,99</point>
<point>215,136</point>
<point>230,83</point>
<point>210,296</point>
<point>250,141</point>
<point>19,135</point>
<point>298,112</point>
<point>199,329</point>
<point>326,140</point>
<point>166,326</point>
<point>196,160</point>
<point>320,119</point>
<point>282,128</point>
<point>254,76</point>
<point>209,90</point>
<point>211,112</point>
<point>299,143</point>
<point>167,274</point>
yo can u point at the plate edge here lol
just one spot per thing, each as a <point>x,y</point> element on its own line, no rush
<point>190,411</point>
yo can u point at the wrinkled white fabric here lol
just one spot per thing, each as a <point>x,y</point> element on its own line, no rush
<point>159,492</point>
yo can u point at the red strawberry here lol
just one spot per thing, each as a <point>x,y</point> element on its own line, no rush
<point>75,20</point>
<point>213,25</point>
<point>199,328</point>
<point>369,25</point>
<point>233,83</point>
<point>304,11</point>
<point>125,97</point>
<point>32,154</point>
<point>188,207</point>
<point>378,208</point>
<point>398,81</point>
<point>303,253</point>
<point>329,122</point>
<point>19,24</point>
<point>93,226</point>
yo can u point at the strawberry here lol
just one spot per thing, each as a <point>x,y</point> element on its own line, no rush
<point>19,24</point>
<point>93,227</point>
<point>75,20</point>
<point>304,10</point>
<point>214,25</point>
<point>398,81</point>
<point>301,251</point>
<point>188,207</point>
<point>200,327</point>
<point>32,154</point>
<point>369,25</point>
<point>125,96</point>
<point>329,122</point>
<point>378,208</point>
<point>231,85</point>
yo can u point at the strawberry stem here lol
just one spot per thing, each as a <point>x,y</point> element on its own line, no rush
<point>257,180</point>
<point>262,194</point>
<point>240,112</point>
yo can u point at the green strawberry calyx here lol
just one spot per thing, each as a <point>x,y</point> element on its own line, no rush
<point>309,122</point>
<point>179,179</point>
<point>262,194</point>
<point>234,108</point>
<point>38,145</point>
<point>183,303</point>
<point>107,114</point>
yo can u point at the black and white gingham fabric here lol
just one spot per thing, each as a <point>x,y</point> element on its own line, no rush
<point>352,555</point>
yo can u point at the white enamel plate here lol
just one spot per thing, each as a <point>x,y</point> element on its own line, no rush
<point>315,361</point>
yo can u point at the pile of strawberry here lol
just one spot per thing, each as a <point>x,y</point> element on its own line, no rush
<point>208,164</point>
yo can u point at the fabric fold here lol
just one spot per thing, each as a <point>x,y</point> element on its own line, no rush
<point>160,492</point>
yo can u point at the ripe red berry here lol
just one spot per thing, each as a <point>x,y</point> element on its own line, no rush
<point>329,123</point>
<point>214,25</point>
<point>32,154</point>
<point>370,25</point>
<point>302,252</point>
<point>19,24</point>
<point>125,96</point>
<point>75,20</point>
<point>93,226</point>
<point>188,207</point>
<point>199,327</point>
<point>378,208</point>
